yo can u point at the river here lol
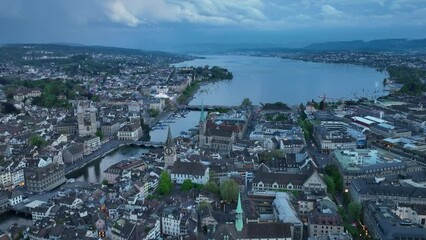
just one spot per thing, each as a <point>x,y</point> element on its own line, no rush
<point>94,172</point>
<point>271,79</point>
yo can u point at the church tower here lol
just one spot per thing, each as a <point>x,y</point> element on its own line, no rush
<point>239,215</point>
<point>86,118</point>
<point>169,151</point>
<point>202,128</point>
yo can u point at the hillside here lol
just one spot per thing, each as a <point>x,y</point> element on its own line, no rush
<point>392,45</point>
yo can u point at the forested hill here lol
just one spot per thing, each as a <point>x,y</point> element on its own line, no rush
<point>393,45</point>
<point>18,52</point>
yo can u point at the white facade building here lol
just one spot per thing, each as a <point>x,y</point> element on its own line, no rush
<point>196,172</point>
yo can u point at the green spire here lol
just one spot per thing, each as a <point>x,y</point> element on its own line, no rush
<point>239,215</point>
<point>239,208</point>
<point>202,114</point>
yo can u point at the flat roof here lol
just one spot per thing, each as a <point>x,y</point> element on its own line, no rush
<point>387,126</point>
<point>363,120</point>
<point>365,159</point>
<point>374,119</point>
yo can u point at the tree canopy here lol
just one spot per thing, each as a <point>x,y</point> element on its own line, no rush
<point>186,185</point>
<point>331,187</point>
<point>211,187</point>
<point>354,210</point>
<point>246,103</point>
<point>333,172</point>
<point>165,185</point>
<point>37,140</point>
<point>229,190</point>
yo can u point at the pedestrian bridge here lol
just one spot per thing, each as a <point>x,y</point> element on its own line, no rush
<point>144,143</point>
<point>205,107</point>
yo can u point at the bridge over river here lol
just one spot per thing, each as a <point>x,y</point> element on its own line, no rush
<point>107,148</point>
<point>206,107</point>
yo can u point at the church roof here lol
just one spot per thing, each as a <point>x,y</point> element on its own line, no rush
<point>189,168</point>
<point>169,141</point>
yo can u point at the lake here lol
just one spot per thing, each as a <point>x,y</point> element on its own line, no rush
<point>271,79</point>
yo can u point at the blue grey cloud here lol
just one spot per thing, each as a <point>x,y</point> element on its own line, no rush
<point>153,23</point>
<point>269,13</point>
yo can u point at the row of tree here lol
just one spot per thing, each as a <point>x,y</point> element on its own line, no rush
<point>228,189</point>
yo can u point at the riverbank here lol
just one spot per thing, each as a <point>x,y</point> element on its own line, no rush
<point>106,148</point>
<point>203,76</point>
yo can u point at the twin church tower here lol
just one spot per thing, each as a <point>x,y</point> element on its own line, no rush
<point>170,157</point>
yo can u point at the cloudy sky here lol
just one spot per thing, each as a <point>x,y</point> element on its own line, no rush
<point>171,24</point>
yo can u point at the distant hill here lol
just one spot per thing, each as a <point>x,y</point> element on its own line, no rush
<point>15,52</point>
<point>392,45</point>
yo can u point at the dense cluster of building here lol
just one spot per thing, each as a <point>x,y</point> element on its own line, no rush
<point>274,157</point>
<point>377,60</point>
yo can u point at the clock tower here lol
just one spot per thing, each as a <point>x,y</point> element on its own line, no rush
<point>169,151</point>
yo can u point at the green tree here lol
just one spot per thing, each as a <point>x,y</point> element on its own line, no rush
<point>153,112</point>
<point>165,185</point>
<point>246,103</point>
<point>203,205</point>
<point>331,187</point>
<point>333,172</point>
<point>352,230</point>
<point>229,190</point>
<point>211,187</point>
<point>189,91</point>
<point>307,127</point>
<point>267,156</point>
<point>186,185</point>
<point>354,210</point>
<point>99,134</point>
<point>302,114</point>
<point>95,98</point>
<point>8,108</point>
<point>37,140</point>
<point>105,182</point>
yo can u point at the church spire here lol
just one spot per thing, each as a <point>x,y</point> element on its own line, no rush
<point>202,114</point>
<point>239,215</point>
<point>170,142</point>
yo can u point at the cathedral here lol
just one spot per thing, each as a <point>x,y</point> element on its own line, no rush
<point>218,137</point>
<point>86,118</point>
